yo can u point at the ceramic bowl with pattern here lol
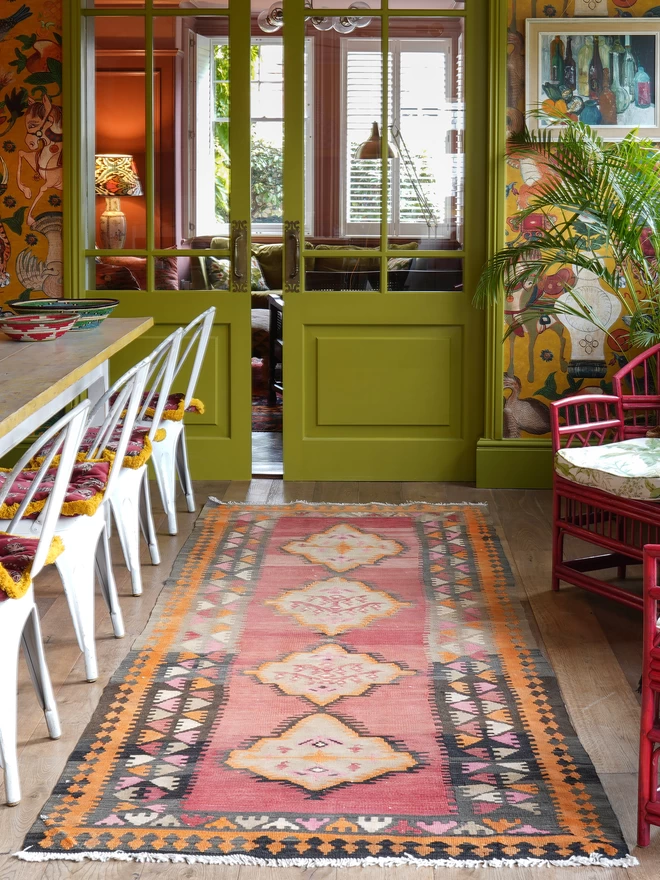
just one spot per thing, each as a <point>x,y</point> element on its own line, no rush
<point>91,312</point>
<point>37,328</point>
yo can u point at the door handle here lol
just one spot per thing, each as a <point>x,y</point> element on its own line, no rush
<point>238,261</point>
<point>239,242</point>
<point>292,235</point>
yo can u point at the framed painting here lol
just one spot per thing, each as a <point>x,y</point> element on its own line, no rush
<point>603,71</point>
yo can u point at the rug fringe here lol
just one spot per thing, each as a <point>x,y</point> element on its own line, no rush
<point>349,504</point>
<point>575,861</point>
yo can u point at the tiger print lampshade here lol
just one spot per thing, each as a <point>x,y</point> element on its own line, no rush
<point>115,175</point>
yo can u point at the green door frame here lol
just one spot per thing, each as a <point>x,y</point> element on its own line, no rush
<point>383,452</point>
<point>219,444</point>
<point>502,462</point>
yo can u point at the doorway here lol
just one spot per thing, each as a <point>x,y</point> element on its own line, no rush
<point>306,174</point>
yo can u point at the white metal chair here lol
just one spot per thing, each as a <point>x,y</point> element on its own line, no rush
<point>20,562</point>
<point>82,525</point>
<point>170,457</point>
<point>130,497</point>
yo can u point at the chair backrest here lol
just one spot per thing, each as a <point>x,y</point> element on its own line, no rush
<point>637,385</point>
<point>63,439</point>
<point>162,368</point>
<point>195,339</point>
<point>585,420</point>
<point>118,409</point>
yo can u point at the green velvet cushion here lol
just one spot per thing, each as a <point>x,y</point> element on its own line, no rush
<point>218,270</point>
<point>270,260</point>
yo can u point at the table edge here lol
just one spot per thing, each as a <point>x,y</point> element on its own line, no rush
<point>57,388</point>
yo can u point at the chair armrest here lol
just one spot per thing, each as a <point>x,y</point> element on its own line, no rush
<point>586,420</point>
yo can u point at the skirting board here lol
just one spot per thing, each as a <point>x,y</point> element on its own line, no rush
<point>514,464</point>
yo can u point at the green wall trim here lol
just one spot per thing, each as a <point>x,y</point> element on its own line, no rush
<point>496,210</point>
<point>514,464</point>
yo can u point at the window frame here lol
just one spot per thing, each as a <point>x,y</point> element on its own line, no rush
<point>396,173</point>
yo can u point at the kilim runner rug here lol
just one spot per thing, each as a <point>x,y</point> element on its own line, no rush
<point>334,685</point>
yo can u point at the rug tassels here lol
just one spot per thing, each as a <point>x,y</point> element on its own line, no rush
<point>348,504</point>
<point>175,858</point>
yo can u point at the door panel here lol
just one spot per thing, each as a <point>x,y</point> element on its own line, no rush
<point>192,206</point>
<point>384,352</point>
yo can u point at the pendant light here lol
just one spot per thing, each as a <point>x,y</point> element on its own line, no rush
<point>271,20</point>
<point>373,148</point>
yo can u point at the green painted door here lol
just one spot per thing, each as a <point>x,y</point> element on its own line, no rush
<point>162,103</point>
<point>385,234</point>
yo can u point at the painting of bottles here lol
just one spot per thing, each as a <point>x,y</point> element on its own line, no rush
<point>600,71</point>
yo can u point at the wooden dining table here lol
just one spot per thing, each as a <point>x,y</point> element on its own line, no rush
<point>39,378</point>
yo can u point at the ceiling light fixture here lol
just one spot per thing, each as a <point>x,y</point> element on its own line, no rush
<point>271,20</point>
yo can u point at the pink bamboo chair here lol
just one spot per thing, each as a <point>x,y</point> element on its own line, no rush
<point>648,809</point>
<point>620,526</point>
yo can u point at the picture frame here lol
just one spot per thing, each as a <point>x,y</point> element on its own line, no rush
<point>614,99</point>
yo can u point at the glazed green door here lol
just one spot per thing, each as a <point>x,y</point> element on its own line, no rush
<point>385,228</point>
<point>164,140</point>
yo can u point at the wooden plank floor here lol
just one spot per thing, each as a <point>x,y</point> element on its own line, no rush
<point>593,645</point>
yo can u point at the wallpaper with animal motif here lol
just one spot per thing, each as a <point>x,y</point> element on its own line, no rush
<point>30,149</point>
<point>536,358</point>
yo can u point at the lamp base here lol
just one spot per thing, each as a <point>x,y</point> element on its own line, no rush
<point>112,225</point>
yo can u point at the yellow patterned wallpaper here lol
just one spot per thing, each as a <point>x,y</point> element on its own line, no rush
<point>30,148</point>
<point>536,360</point>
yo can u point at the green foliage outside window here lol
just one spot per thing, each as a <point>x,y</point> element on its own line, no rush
<point>266,159</point>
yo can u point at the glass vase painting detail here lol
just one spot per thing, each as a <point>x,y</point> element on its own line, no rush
<point>601,71</point>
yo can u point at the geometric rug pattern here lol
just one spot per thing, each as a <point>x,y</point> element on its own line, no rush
<point>334,685</point>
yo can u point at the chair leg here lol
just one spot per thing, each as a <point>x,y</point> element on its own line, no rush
<point>36,662</point>
<point>76,568</point>
<point>165,468</point>
<point>183,471</point>
<point>11,637</point>
<point>147,520</point>
<point>126,510</point>
<point>557,553</point>
<point>106,578</point>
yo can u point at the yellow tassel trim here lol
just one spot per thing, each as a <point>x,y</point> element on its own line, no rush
<point>176,415</point>
<point>86,507</point>
<point>17,589</point>
<point>130,461</point>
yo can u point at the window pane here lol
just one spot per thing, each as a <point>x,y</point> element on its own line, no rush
<point>426,125</point>
<point>117,214</point>
<point>344,171</point>
<point>342,273</point>
<point>267,142</point>
<point>427,4</point>
<point>410,273</point>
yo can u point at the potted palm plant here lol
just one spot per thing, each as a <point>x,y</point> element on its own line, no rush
<point>596,213</point>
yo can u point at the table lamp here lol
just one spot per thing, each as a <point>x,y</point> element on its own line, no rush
<point>115,175</point>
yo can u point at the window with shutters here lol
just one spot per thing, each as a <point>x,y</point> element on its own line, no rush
<point>426,120</point>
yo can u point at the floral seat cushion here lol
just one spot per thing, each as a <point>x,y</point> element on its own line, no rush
<point>138,450</point>
<point>83,495</point>
<point>630,469</point>
<point>16,557</point>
